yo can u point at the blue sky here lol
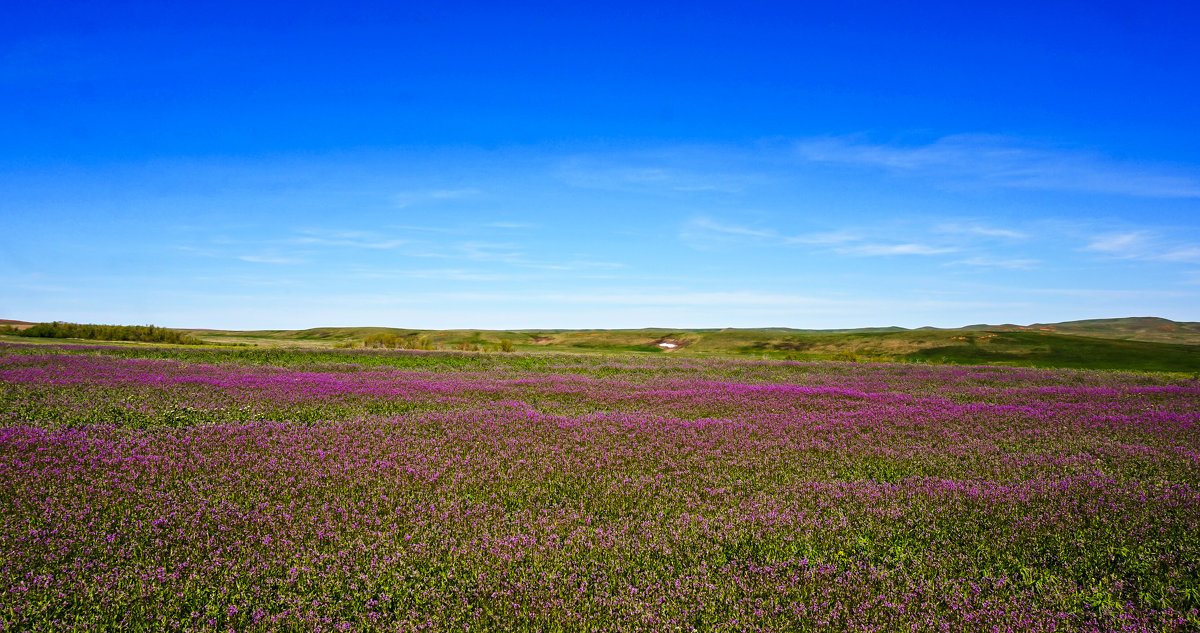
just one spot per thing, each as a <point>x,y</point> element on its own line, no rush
<point>459,165</point>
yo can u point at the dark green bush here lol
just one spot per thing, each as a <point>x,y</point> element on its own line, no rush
<point>90,331</point>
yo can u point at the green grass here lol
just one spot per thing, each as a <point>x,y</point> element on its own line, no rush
<point>1057,350</point>
<point>962,347</point>
<point>1108,344</point>
<point>1151,329</point>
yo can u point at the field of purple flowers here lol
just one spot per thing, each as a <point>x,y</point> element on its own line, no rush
<point>151,489</point>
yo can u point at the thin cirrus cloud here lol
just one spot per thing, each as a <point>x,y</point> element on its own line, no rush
<point>883,249</point>
<point>514,255</point>
<point>1189,254</point>
<point>702,228</point>
<point>659,298</point>
<point>437,274</point>
<point>1000,161</point>
<point>1142,245</point>
<point>979,230</point>
<point>704,233</point>
<point>669,171</point>
<point>1126,245</point>
<point>351,239</point>
<point>270,259</point>
<point>1015,263</point>
<point>453,194</point>
<point>511,225</point>
<point>409,198</point>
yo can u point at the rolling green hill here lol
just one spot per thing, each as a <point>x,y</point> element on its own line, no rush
<point>1134,343</point>
<point>1130,328</point>
<point>1139,343</point>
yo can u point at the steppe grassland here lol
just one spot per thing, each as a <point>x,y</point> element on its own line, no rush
<point>204,490</point>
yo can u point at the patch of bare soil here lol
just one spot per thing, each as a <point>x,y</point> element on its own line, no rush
<point>671,344</point>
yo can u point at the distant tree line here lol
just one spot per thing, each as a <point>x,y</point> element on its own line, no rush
<point>91,331</point>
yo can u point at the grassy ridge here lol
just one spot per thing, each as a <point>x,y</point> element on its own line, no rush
<point>1120,344</point>
<point>966,347</point>
<point>1057,350</point>
<point>1151,329</point>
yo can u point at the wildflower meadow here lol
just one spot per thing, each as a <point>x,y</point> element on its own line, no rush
<point>173,489</point>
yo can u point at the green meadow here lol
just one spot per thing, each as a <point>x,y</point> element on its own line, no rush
<point>1135,344</point>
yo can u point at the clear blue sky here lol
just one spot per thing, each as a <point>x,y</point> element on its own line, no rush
<point>459,165</point>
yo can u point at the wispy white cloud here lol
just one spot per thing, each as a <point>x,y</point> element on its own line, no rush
<point>1143,245</point>
<point>1188,254</point>
<point>1118,294</point>
<point>595,265</point>
<point>507,253</point>
<point>660,298</point>
<point>453,194</point>
<point>1129,245</point>
<point>196,250</point>
<point>709,228</point>
<point>998,262</point>
<point>701,231</point>
<point>423,229</point>
<point>878,250</point>
<point>491,252</point>
<point>824,238</point>
<point>446,274</point>
<point>352,239</point>
<point>270,259</point>
<point>980,230</point>
<point>999,161</point>
<point>679,171</point>
<point>409,198</point>
<point>706,232</point>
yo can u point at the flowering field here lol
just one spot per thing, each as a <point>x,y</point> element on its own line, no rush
<point>205,490</point>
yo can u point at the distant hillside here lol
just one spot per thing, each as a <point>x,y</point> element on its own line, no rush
<point>1152,329</point>
<point>1099,344</point>
<point>1136,343</point>
<point>1129,329</point>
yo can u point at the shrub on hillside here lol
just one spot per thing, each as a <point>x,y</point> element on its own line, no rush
<point>387,340</point>
<point>91,331</point>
